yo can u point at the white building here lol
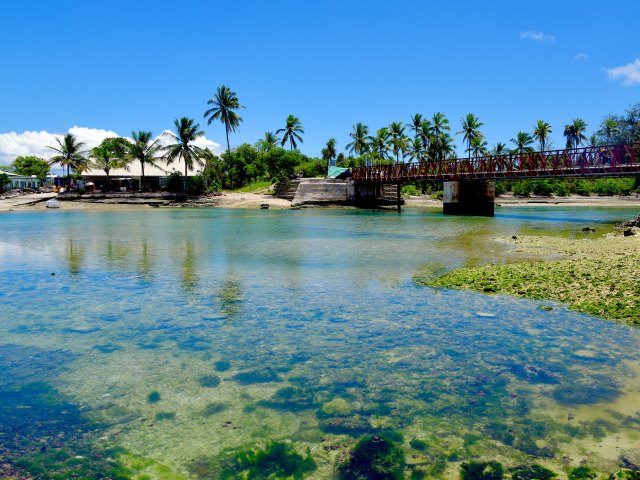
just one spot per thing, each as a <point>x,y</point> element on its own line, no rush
<point>22,181</point>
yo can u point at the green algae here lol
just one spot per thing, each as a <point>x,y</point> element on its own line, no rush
<point>160,416</point>
<point>481,471</point>
<point>209,381</point>
<point>531,472</point>
<point>262,375</point>
<point>222,365</point>
<point>153,397</point>
<point>374,457</point>
<point>214,409</point>
<point>582,473</point>
<point>605,284</point>
<point>276,460</point>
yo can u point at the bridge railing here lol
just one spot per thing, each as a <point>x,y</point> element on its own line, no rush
<point>623,159</point>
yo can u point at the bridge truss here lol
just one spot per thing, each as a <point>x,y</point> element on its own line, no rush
<point>606,160</point>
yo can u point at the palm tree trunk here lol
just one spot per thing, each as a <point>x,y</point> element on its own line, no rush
<point>143,187</point>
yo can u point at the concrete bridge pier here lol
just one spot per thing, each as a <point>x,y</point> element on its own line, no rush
<point>469,197</point>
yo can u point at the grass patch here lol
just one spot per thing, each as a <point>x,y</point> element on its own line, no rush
<point>256,187</point>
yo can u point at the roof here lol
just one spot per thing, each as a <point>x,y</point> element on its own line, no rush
<point>135,170</point>
<point>335,172</point>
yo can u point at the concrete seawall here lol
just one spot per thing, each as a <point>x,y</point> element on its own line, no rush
<point>318,191</point>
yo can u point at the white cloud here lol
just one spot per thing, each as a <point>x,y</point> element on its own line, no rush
<point>538,36</point>
<point>629,73</point>
<point>13,144</point>
<point>581,56</point>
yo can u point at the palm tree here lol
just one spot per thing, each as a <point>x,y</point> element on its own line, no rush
<point>144,149</point>
<point>416,123</point>
<point>183,148</point>
<point>440,124</point>
<point>379,144</point>
<point>478,146</point>
<point>291,131</point>
<point>224,103</point>
<point>110,154</point>
<point>499,149</point>
<point>425,133</point>
<point>269,142</point>
<point>360,145</point>
<point>541,132</point>
<point>523,142</point>
<point>471,129</point>
<point>329,152</point>
<point>416,150</point>
<point>398,138</point>
<point>575,133</point>
<point>608,129</point>
<point>69,154</point>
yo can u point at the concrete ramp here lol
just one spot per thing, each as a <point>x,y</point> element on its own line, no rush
<point>318,191</point>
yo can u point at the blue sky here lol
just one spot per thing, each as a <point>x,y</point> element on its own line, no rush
<point>122,65</point>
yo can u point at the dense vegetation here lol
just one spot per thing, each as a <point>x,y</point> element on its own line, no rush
<point>268,160</point>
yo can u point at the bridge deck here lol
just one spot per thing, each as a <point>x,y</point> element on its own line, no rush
<point>608,160</point>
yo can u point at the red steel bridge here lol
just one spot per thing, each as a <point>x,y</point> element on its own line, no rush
<point>606,160</point>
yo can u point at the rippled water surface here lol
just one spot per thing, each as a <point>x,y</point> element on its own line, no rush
<point>169,339</point>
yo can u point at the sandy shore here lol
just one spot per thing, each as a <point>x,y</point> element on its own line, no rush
<point>255,200</point>
<point>32,202</point>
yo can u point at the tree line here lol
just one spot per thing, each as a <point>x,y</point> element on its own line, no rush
<point>421,139</point>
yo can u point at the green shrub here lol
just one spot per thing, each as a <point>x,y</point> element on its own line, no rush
<point>561,189</point>
<point>613,186</point>
<point>175,183</point>
<point>522,188</point>
<point>584,188</point>
<point>541,187</point>
<point>196,185</point>
<point>438,194</point>
<point>411,190</point>
<point>502,187</point>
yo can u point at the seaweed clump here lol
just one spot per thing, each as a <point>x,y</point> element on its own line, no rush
<point>276,460</point>
<point>153,397</point>
<point>625,474</point>
<point>376,458</point>
<point>264,375</point>
<point>582,473</point>
<point>531,472</point>
<point>209,381</point>
<point>290,398</point>
<point>481,471</point>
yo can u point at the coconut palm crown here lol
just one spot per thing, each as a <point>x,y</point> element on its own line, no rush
<point>360,144</point>
<point>69,154</point>
<point>145,150</point>
<point>541,132</point>
<point>186,134</point>
<point>575,133</point>
<point>292,132</point>
<point>224,103</point>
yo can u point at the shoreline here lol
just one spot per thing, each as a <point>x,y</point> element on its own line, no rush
<point>30,202</point>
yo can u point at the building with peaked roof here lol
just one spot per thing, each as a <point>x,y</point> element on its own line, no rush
<point>129,178</point>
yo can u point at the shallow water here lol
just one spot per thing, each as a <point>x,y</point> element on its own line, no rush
<point>182,335</point>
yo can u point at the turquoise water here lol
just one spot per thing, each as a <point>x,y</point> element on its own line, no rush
<point>170,339</point>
